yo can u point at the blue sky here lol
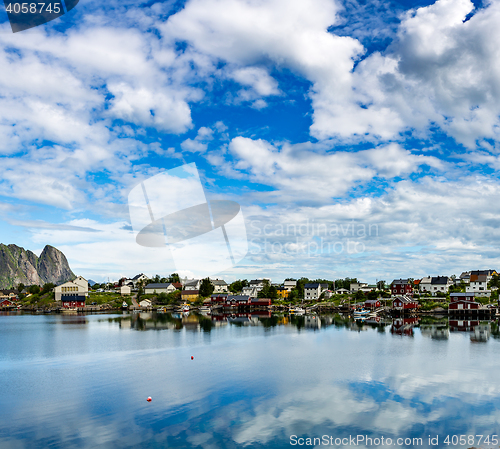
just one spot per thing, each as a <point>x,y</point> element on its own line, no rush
<point>375,121</point>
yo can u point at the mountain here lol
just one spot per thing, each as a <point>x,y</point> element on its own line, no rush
<point>18,265</point>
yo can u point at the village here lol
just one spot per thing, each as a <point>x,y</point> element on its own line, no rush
<point>473,293</point>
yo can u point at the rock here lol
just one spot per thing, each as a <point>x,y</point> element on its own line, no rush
<point>18,265</point>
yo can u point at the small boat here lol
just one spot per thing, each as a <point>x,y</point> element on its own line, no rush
<point>124,305</point>
<point>205,310</point>
<point>361,312</point>
<point>185,307</point>
<point>297,310</point>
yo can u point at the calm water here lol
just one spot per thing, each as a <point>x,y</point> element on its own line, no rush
<point>82,381</point>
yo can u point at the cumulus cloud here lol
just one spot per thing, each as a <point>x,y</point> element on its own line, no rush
<point>319,174</point>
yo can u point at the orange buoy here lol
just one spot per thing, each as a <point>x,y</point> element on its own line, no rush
<point>149,399</point>
<point>192,358</point>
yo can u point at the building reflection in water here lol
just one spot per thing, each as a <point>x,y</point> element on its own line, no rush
<point>435,328</point>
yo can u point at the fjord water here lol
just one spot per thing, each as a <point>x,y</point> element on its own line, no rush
<point>82,381</point>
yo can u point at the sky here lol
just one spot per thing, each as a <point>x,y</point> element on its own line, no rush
<point>359,138</point>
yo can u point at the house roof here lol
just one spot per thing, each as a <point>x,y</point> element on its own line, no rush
<point>150,286</point>
<point>372,301</point>
<point>177,285</point>
<point>417,281</point>
<point>190,292</point>
<point>244,298</point>
<point>192,282</point>
<point>312,285</point>
<point>440,280</point>
<point>218,282</point>
<point>405,299</point>
<point>256,281</point>
<point>400,281</point>
<point>485,272</point>
<point>138,276</point>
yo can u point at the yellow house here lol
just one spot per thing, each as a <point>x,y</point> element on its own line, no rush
<point>282,292</point>
<point>190,295</point>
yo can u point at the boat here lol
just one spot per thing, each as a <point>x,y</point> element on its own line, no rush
<point>297,310</point>
<point>124,305</point>
<point>205,310</point>
<point>185,307</point>
<point>361,312</point>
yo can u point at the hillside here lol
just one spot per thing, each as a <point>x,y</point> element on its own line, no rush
<point>18,265</point>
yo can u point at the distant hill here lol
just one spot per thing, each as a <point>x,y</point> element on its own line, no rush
<point>91,282</point>
<point>18,265</point>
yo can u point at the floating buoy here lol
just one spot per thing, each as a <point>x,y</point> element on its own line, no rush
<point>149,399</point>
<point>192,358</point>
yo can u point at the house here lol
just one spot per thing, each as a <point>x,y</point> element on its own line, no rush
<point>357,286</point>
<point>218,299</point>
<point>479,282</point>
<point>435,284</point>
<point>74,291</point>
<point>237,301</point>
<point>313,291</point>
<point>402,287</point>
<point>283,292</point>
<point>404,303</point>
<point>260,302</point>
<point>255,286</point>
<point>8,294</point>
<point>289,285</point>
<point>440,284</point>
<point>192,284</point>
<point>190,295</point>
<point>424,285</point>
<point>463,301</point>
<point>454,297</point>
<point>145,303</point>
<point>159,288</point>
<point>342,291</point>
<point>372,304</point>
<point>220,286</point>
<point>125,290</point>
<point>139,278</point>
<point>6,303</point>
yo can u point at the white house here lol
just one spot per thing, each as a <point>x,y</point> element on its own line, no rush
<point>357,286</point>
<point>151,289</point>
<point>139,278</point>
<point>425,285</point>
<point>125,290</point>
<point>192,284</point>
<point>220,286</point>
<point>313,290</point>
<point>479,282</point>
<point>289,285</point>
<point>254,287</point>
<point>77,287</point>
<point>146,303</point>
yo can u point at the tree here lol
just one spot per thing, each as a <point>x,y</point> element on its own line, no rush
<point>237,286</point>
<point>206,288</point>
<point>20,287</point>
<point>495,281</point>
<point>174,277</point>
<point>381,285</point>
<point>48,288</point>
<point>264,293</point>
<point>34,289</point>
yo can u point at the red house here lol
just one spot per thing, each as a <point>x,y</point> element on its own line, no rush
<point>372,304</point>
<point>72,301</point>
<point>404,303</point>
<point>464,305</point>
<point>6,303</point>
<point>402,287</point>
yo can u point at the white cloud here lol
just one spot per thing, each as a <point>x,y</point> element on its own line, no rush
<point>317,174</point>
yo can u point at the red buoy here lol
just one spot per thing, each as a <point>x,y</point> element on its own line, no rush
<point>192,358</point>
<point>149,399</point>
